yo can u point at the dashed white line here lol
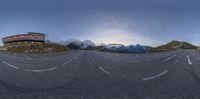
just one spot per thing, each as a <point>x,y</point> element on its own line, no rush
<point>170,58</point>
<point>115,59</point>
<point>53,68</point>
<point>195,56</point>
<point>37,70</point>
<point>76,56</point>
<point>92,58</point>
<point>106,72</point>
<point>189,61</point>
<point>198,58</point>
<point>27,56</point>
<point>156,76</point>
<point>15,67</point>
<point>127,55</point>
<point>133,61</point>
<point>176,61</point>
<point>15,55</point>
<point>67,62</point>
<point>70,60</point>
<point>41,70</point>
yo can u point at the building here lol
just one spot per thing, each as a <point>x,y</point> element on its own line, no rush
<point>2,49</point>
<point>29,39</point>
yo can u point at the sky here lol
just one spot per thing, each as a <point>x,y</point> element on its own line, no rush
<point>146,22</point>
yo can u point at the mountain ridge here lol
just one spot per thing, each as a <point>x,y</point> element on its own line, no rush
<point>173,45</point>
<point>88,44</point>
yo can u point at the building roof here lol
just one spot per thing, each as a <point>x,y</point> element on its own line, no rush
<point>24,34</point>
<point>29,36</point>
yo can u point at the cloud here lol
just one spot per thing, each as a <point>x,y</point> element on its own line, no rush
<point>121,37</point>
<point>110,30</point>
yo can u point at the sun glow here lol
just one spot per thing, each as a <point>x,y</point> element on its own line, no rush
<point>117,36</point>
<point>112,31</point>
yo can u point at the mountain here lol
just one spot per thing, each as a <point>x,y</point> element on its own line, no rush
<point>117,48</point>
<point>87,44</point>
<point>77,44</point>
<point>138,48</point>
<point>173,45</point>
<point>126,49</point>
<point>73,46</point>
<point>69,41</point>
<point>100,47</point>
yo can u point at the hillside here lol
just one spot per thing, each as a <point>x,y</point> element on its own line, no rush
<point>39,48</point>
<point>173,45</point>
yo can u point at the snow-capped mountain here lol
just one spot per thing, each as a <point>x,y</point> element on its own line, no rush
<point>77,44</point>
<point>87,43</point>
<point>127,49</point>
<point>69,41</point>
<point>110,46</point>
<point>138,48</point>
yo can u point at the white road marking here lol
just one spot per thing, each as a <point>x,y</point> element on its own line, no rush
<point>67,62</point>
<point>133,61</point>
<point>195,56</point>
<point>176,61</point>
<point>189,61</point>
<point>106,72</point>
<point>53,68</point>
<point>41,70</point>
<point>76,56</point>
<point>115,59</point>
<point>15,67</point>
<point>156,76</point>
<point>15,55</point>
<point>170,58</point>
<point>127,55</point>
<point>27,56</point>
<point>37,70</point>
<point>92,58</point>
<point>70,60</point>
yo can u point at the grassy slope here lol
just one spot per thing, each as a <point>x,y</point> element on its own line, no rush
<point>39,48</point>
<point>173,45</point>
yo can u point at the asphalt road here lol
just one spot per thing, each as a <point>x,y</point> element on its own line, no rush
<point>100,75</point>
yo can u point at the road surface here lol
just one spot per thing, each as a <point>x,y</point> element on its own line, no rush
<point>100,75</point>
